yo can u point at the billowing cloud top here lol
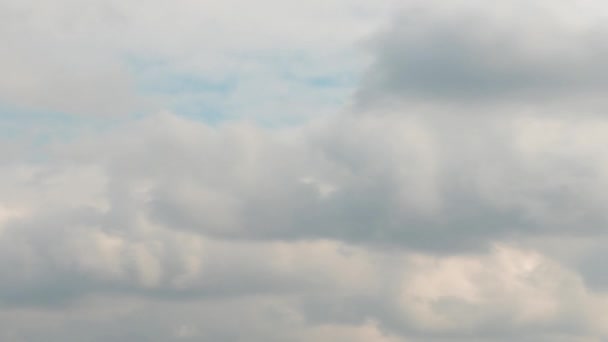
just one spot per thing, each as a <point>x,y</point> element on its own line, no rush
<point>279,171</point>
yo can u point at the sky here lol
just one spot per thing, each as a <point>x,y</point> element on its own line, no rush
<point>294,171</point>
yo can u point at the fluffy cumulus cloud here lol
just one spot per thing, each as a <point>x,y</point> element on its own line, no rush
<point>456,195</point>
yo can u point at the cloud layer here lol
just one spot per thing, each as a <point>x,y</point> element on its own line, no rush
<point>459,198</point>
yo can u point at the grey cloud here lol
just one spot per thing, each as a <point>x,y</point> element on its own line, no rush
<point>388,181</point>
<point>406,306</point>
<point>473,52</point>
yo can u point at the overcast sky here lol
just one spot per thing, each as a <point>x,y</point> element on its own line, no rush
<point>296,171</point>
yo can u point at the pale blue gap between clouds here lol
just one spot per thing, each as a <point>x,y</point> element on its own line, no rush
<point>210,99</point>
<point>274,90</point>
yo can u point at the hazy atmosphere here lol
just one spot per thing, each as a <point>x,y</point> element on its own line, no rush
<point>303,170</point>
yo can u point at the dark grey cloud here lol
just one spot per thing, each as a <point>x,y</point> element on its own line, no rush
<point>471,52</point>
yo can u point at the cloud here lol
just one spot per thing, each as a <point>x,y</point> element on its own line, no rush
<point>419,184</point>
<point>102,58</point>
<point>418,221</point>
<point>55,60</point>
<point>473,52</point>
<point>406,239</point>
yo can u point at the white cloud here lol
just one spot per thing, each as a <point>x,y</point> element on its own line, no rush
<point>97,58</point>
